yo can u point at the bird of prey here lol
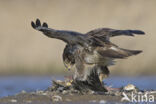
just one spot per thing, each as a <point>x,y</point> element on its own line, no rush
<point>89,51</point>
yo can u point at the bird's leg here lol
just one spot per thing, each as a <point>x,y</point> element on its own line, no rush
<point>103,72</point>
<point>102,77</point>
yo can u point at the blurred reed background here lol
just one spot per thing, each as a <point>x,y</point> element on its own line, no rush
<point>24,51</point>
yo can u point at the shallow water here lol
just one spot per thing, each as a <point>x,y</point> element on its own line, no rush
<point>15,84</point>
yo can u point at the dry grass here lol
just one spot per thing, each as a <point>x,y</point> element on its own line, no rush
<point>24,50</point>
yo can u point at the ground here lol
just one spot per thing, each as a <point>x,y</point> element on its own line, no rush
<point>62,93</point>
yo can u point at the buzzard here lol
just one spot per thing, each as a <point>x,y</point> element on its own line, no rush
<point>89,51</point>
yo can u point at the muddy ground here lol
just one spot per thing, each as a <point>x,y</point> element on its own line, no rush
<point>60,94</point>
<point>29,98</point>
<point>34,98</point>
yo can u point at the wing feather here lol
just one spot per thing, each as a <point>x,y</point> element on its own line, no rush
<point>105,33</point>
<point>116,52</point>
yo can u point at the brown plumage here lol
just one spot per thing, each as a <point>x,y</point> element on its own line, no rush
<point>89,51</point>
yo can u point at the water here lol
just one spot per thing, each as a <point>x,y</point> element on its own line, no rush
<point>15,84</point>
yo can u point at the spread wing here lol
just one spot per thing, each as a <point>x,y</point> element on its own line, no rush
<point>49,31</point>
<point>70,37</point>
<point>101,36</point>
<point>104,34</point>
